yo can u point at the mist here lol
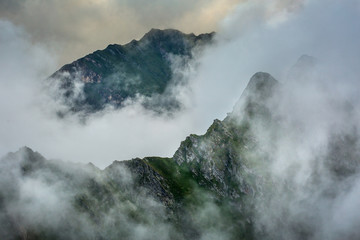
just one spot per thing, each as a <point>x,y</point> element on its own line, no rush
<point>29,117</point>
<point>309,145</point>
<point>272,40</point>
<point>312,140</point>
<point>54,199</point>
<point>72,29</point>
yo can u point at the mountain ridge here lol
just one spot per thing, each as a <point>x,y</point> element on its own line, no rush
<point>124,72</point>
<point>180,184</point>
<point>217,185</point>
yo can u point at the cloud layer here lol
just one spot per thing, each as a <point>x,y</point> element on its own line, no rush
<point>317,111</point>
<point>75,28</point>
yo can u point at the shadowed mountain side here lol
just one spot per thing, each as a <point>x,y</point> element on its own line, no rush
<point>121,73</point>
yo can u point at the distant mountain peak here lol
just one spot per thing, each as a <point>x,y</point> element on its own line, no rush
<point>260,81</point>
<point>27,154</point>
<point>25,149</point>
<point>306,60</point>
<point>260,88</point>
<point>303,68</point>
<point>124,72</point>
<point>154,32</point>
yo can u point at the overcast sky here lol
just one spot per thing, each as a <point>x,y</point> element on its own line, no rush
<point>74,28</point>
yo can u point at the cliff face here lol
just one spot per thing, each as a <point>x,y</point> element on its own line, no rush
<point>121,73</point>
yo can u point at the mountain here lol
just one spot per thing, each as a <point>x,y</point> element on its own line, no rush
<point>173,192</point>
<point>220,185</point>
<point>121,73</point>
<point>208,170</point>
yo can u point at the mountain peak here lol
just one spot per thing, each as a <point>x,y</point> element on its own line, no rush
<point>156,31</point>
<point>259,89</point>
<point>25,149</point>
<point>166,34</point>
<point>27,154</point>
<point>306,60</point>
<point>23,152</point>
<point>122,72</point>
<point>260,86</point>
<point>303,68</point>
<point>260,81</point>
<point>25,158</point>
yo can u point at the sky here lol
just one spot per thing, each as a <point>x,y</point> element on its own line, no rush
<point>74,28</point>
<point>252,36</point>
<point>38,37</point>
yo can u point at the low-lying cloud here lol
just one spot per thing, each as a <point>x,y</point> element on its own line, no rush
<point>214,85</point>
<point>318,113</point>
<point>29,113</point>
<point>312,148</point>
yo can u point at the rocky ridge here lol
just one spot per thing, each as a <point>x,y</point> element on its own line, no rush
<point>121,73</point>
<point>215,185</point>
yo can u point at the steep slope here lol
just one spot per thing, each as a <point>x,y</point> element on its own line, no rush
<point>221,185</point>
<point>123,72</point>
<point>206,171</point>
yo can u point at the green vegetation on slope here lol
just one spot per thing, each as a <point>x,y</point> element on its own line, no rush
<point>121,72</point>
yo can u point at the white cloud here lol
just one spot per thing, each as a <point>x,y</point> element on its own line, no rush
<point>256,37</point>
<point>28,115</point>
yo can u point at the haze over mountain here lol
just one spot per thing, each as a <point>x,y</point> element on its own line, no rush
<point>80,27</point>
<point>120,74</point>
<point>218,185</point>
<point>283,164</point>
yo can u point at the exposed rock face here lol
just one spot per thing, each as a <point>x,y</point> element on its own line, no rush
<point>143,177</point>
<point>222,157</point>
<point>216,185</point>
<point>211,168</point>
<point>124,72</point>
<point>213,159</point>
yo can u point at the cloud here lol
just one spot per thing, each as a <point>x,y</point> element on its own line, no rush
<point>313,142</point>
<point>29,119</point>
<point>216,82</point>
<point>52,198</point>
<point>75,28</point>
<point>314,110</point>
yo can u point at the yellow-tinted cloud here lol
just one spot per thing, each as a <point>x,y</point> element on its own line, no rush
<point>74,28</point>
<point>207,17</point>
